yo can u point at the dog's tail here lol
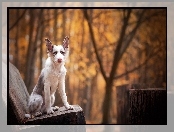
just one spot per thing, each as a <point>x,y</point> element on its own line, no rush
<point>34,105</point>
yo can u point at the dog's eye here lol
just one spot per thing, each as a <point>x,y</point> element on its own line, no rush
<point>54,53</point>
<point>62,52</point>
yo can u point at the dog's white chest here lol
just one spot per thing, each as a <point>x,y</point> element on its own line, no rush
<point>54,76</point>
<point>54,85</point>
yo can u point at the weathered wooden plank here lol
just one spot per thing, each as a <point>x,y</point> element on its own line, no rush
<point>62,116</point>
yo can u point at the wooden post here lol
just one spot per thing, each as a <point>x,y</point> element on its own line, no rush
<point>138,104</point>
<point>148,106</point>
<point>122,104</point>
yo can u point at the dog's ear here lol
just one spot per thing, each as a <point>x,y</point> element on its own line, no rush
<point>65,42</point>
<point>49,45</point>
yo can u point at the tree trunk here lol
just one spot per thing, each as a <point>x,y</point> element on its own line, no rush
<point>55,25</point>
<point>41,47</point>
<point>47,25</point>
<point>94,87</point>
<point>29,56</point>
<point>88,98</point>
<point>63,24</point>
<point>107,103</point>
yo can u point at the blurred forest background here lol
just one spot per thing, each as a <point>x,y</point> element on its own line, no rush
<point>108,48</point>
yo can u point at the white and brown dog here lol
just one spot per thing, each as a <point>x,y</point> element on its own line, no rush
<point>52,77</point>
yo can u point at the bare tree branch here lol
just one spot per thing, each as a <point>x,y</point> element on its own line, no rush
<point>94,44</point>
<point>120,41</point>
<point>130,36</point>
<point>132,70</point>
<point>139,66</point>
<point>100,13</point>
<point>158,13</point>
<point>16,22</point>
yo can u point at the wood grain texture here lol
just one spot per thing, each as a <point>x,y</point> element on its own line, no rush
<point>141,104</point>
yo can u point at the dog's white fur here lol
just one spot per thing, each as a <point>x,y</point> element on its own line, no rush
<point>52,77</point>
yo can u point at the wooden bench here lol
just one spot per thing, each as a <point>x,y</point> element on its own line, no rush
<point>17,106</point>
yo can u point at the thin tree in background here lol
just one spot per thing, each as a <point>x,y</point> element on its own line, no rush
<point>55,25</point>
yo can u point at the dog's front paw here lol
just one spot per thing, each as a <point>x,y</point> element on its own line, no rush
<point>38,114</point>
<point>50,110</point>
<point>55,108</point>
<point>69,107</point>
